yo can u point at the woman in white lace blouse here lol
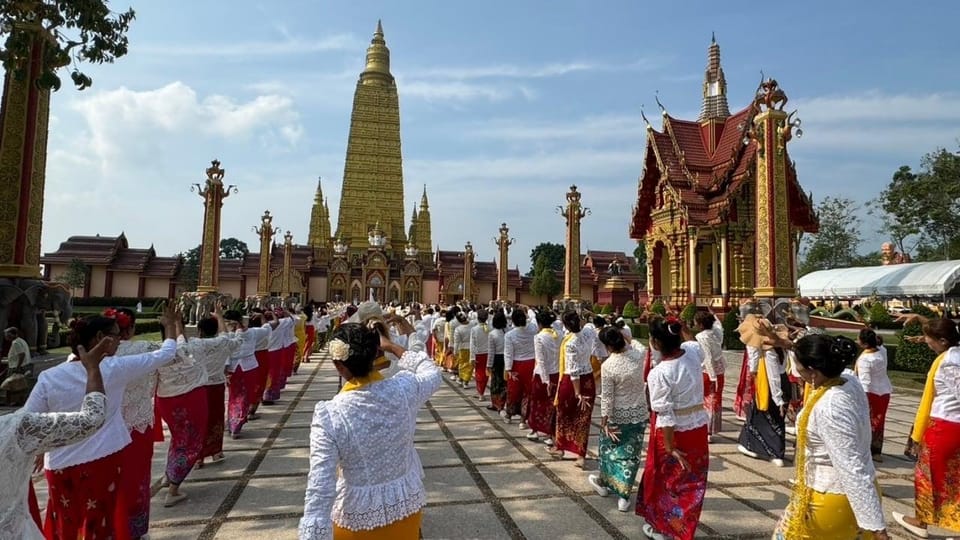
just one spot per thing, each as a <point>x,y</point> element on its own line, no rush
<point>623,417</point>
<point>366,431</point>
<point>24,434</point>
<point>835,493</point>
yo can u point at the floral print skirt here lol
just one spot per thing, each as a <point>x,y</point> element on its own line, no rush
<point>936,474</point>
<point>186,416</point>
<point>671,498</point>
<point>573,423</point>
<point>620,460</point>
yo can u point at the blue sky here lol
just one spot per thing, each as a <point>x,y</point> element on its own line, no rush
<point>503,105</point>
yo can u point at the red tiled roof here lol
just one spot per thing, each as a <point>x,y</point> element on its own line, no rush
<point>705,180</point>
<point>167,267</point>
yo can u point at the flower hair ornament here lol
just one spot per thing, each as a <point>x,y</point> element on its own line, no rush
<point>339,350</point>
<point>123,320</point>
<point>672,320</point>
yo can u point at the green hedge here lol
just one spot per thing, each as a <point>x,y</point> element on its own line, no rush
<point>641,332</point>
<point>731,339</point>
<point>116,301</point>
<point>915,357</point>
<point>658,308</point>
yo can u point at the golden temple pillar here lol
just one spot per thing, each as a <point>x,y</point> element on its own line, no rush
<point>285,287</point>
<point>774,275</point>
<point>574,212</point>
<point>266,232</point>
<point>24,119</point>
<point>468,256</point>
<point>213,193</point>
<point>503,242</point>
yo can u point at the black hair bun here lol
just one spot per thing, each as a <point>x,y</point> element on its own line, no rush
<point>844,349</point>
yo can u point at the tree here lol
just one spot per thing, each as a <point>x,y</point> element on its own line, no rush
<point>545,282</point>
<point>231,248</point>
<point>190,271</point>
<point>75,276</point>
<point>81,31</point>
<point>640,254</point>
<point>920,208</point>
<point>836,244</point>
<point>555,254</point>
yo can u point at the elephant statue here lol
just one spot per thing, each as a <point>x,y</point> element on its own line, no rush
<point>24,302</point>
<point>186,306</point>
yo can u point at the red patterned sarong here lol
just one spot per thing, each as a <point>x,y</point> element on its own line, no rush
<point>308,344</point>
<point>542,414</point>
<point>713,403</point>
<point>186,416</point>
<point>573,423</point>
<point>936,474</point>
<point>213,441</point>
<point>289,359</point>
<point>275,379</point>
<point>745,390</point>
<point>137,458</point>
<point>518,389</point>
<point>242,383</point>
<point>263,373</point>
<point>670,498</point>
<point>480,372</point>
<point>878,420</point>
<point>83,501</point>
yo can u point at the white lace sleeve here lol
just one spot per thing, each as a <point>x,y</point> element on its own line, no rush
<point>855,473</point>
<point>703,338</point>
<point>426,373</point>
<point>316,523</point>
<point>38,433</point>
<point>607,392</point>
<point>951,374</point>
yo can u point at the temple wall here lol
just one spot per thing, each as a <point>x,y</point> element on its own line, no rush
<point>98,276</point>
<point>156,287</point>
<point>125,284</point>
<point>230,286</point>
<point>53,271</point>
<point>317,288</point>
<point>430,291</point>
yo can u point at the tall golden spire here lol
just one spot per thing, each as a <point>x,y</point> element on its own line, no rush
<point>714,87</point>
<point>373,173</point>
<point>319,237</point>
<point>424,240</point>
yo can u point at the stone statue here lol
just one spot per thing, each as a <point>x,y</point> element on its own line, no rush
<point>614,268</point>
<point>24,302</point>
<point>889,255</point>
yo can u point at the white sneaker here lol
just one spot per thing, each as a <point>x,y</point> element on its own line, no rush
<point>709,439</point>
<point>594,482</point>
<point>548,441</point>
<point>918,531</point>
<point>466,385</point>
<point>744,451</point>
<point>455,378</point>
<point>480,397</point>
<point>523,425</point>
<point>505,416</point>
<point>650,533</point>
<point>777,462</point>
<point>623,505</point>
<point>533,436</point>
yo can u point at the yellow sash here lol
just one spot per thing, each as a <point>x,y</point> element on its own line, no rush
<point>926,402</point>
<point>762,384</point>
<point>563,360</point>
<point>802,494</point>
<point>357,383</point>
<point>551,331</point>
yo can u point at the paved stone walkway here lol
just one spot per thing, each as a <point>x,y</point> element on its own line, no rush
<point>484,479</point>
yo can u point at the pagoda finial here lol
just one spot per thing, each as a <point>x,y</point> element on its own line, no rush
<point>378,59</point>
<point>424,205</point>
<point>714,86</point>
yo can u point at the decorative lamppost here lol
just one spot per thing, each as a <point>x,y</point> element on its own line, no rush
<point>213,193</point>
<point>503,242</point>
<point>573,213</point>
<point>266,230</point>
<point>468,256</point>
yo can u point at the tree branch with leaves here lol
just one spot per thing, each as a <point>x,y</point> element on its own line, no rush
<point>73,32</point>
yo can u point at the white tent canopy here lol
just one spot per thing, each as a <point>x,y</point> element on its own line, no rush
<point>935,279</point>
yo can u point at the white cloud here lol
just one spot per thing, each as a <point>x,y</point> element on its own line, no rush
<point>289,45</point>
<point>513,71</point>
<point>117,119</point>
<point>457,91</point>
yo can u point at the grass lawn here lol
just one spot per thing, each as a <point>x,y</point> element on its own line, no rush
<point>908,380</point>
<point>152,336</point>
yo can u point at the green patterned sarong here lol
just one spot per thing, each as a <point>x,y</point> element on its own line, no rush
<point>619,461</point>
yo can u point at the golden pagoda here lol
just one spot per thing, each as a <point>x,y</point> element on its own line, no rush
<point>373,173</point>
<point>319,238</point>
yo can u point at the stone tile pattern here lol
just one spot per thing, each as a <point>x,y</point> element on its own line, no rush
<point>484,478</point>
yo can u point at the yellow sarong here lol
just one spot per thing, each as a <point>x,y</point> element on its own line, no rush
<point>464,367</point>
<point>829,515</point>
<point>407,528</point>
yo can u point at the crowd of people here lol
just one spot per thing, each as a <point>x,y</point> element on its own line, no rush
<point>95,418</point>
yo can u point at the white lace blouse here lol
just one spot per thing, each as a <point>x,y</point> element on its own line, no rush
<point>495,343</point>
<point>577,352</point>
<point>546,353</point>
<point>872,372</point>
<point>138,397</point>
<point>368,434</point>
<point>213,354</point>
<point>60,388</point>
<point>711,347</point>
<point>623,397</point>
<point>676,392</point>
<point>946,402</point>
<point>838,451</point>
<point>518,344</point>
<point>25,434</point>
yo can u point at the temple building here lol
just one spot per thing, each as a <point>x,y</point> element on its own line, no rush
<point>373,249</point>
<point>719,207</point>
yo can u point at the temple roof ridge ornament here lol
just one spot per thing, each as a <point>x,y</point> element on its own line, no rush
<point>378,59</point>
<point>714,107</point>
